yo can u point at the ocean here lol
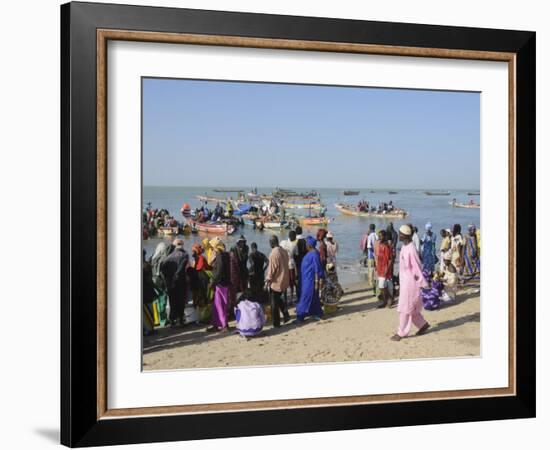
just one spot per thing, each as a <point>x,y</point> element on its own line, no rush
<point>347,230</point>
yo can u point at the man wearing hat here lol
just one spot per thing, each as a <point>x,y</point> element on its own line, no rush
<point>411,281</point>
<point>173,269</point>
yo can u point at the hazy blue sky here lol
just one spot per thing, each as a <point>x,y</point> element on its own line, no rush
<point>208,133</point>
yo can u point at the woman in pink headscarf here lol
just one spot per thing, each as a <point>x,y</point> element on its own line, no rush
<point>411,281</point>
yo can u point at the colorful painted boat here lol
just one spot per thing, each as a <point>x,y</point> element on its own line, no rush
<point>314,221</point>
<point>350,211</point>
<point>212,228</point>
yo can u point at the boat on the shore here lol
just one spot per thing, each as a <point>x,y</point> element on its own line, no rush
<point>437,193</point>
<point>212,228</point>
<point>465,205</point>
<point>350,211</point>
<point>351,192</point>
<point>314,221</point>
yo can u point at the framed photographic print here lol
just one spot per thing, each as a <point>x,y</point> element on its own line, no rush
<point>277,224</point>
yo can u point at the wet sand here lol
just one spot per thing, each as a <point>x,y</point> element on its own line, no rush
<point>356,332</point>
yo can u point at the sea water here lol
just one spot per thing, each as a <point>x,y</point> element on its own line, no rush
<point>347,230</point>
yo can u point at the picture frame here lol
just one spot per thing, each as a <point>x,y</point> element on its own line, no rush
<point>86,28</point>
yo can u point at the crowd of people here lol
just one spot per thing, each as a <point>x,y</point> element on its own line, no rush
<point>425,279</point>
<point>154,219</point>
<point>301,271</point>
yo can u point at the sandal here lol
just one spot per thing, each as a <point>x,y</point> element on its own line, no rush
<point>423,329</point>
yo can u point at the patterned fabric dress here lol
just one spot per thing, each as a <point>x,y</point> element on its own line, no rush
<point>429,257</point>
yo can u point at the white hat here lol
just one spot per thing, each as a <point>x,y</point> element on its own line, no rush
<point>329,235</point>
<point>405,229</point>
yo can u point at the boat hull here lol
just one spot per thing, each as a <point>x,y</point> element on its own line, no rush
<point>314,221</point>
<point>462,205</point>
<point>348,212</point>
<point>212,228</point>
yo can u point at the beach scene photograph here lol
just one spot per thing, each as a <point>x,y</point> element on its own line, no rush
<point>292,224</point>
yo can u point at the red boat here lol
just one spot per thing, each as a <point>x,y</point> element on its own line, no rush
<point>212,228</point>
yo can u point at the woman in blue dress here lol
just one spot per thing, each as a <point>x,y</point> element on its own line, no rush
<point>311,273</point>
<point>429,258</point>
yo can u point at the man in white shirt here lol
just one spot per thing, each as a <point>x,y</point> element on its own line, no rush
<point>332,249</point>
<point>290,245</point>
<point>371,241</point>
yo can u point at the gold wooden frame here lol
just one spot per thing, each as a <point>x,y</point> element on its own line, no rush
<point>104,35</point>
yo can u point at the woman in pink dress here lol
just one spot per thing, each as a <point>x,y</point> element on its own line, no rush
<point>411,281</point>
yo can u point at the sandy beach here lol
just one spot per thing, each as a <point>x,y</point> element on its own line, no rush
<point>357,332</point>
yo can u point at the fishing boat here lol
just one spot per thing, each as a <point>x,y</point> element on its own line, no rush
<point>473,193</point>
<point>350,211</point>
<point>167,231</point>
<point>351,192</point>
<point>465,205</point>
<point>437,193</point>
<point>272,225</point>
<point>207,198</point>
<point>393,192</point>
<point>212,228</point>
<point>314,221</point>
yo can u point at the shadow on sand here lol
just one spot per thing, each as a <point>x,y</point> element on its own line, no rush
<point>172,338</point>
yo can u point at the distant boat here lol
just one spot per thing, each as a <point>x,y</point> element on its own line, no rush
<point>351,192</point>
<point>393,192</point>
<point>350,211</point>
<point>227,190</point>
<point>456,204</point>
<point>473,193</point>
<point>437,193</point>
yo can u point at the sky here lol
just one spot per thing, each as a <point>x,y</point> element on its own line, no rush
<point>229,134</point>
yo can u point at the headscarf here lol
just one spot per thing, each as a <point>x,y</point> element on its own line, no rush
<point>406,230</point>
<point>471,227</point>
<point>311,241</point>
<point>321,233</point>
<point>197,249</point>
<point>217,244</point>
<point>178,243</point>
<point>428,226</point>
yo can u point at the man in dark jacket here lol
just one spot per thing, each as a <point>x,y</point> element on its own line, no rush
<point>258,264</point>
<point>173,268</point>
